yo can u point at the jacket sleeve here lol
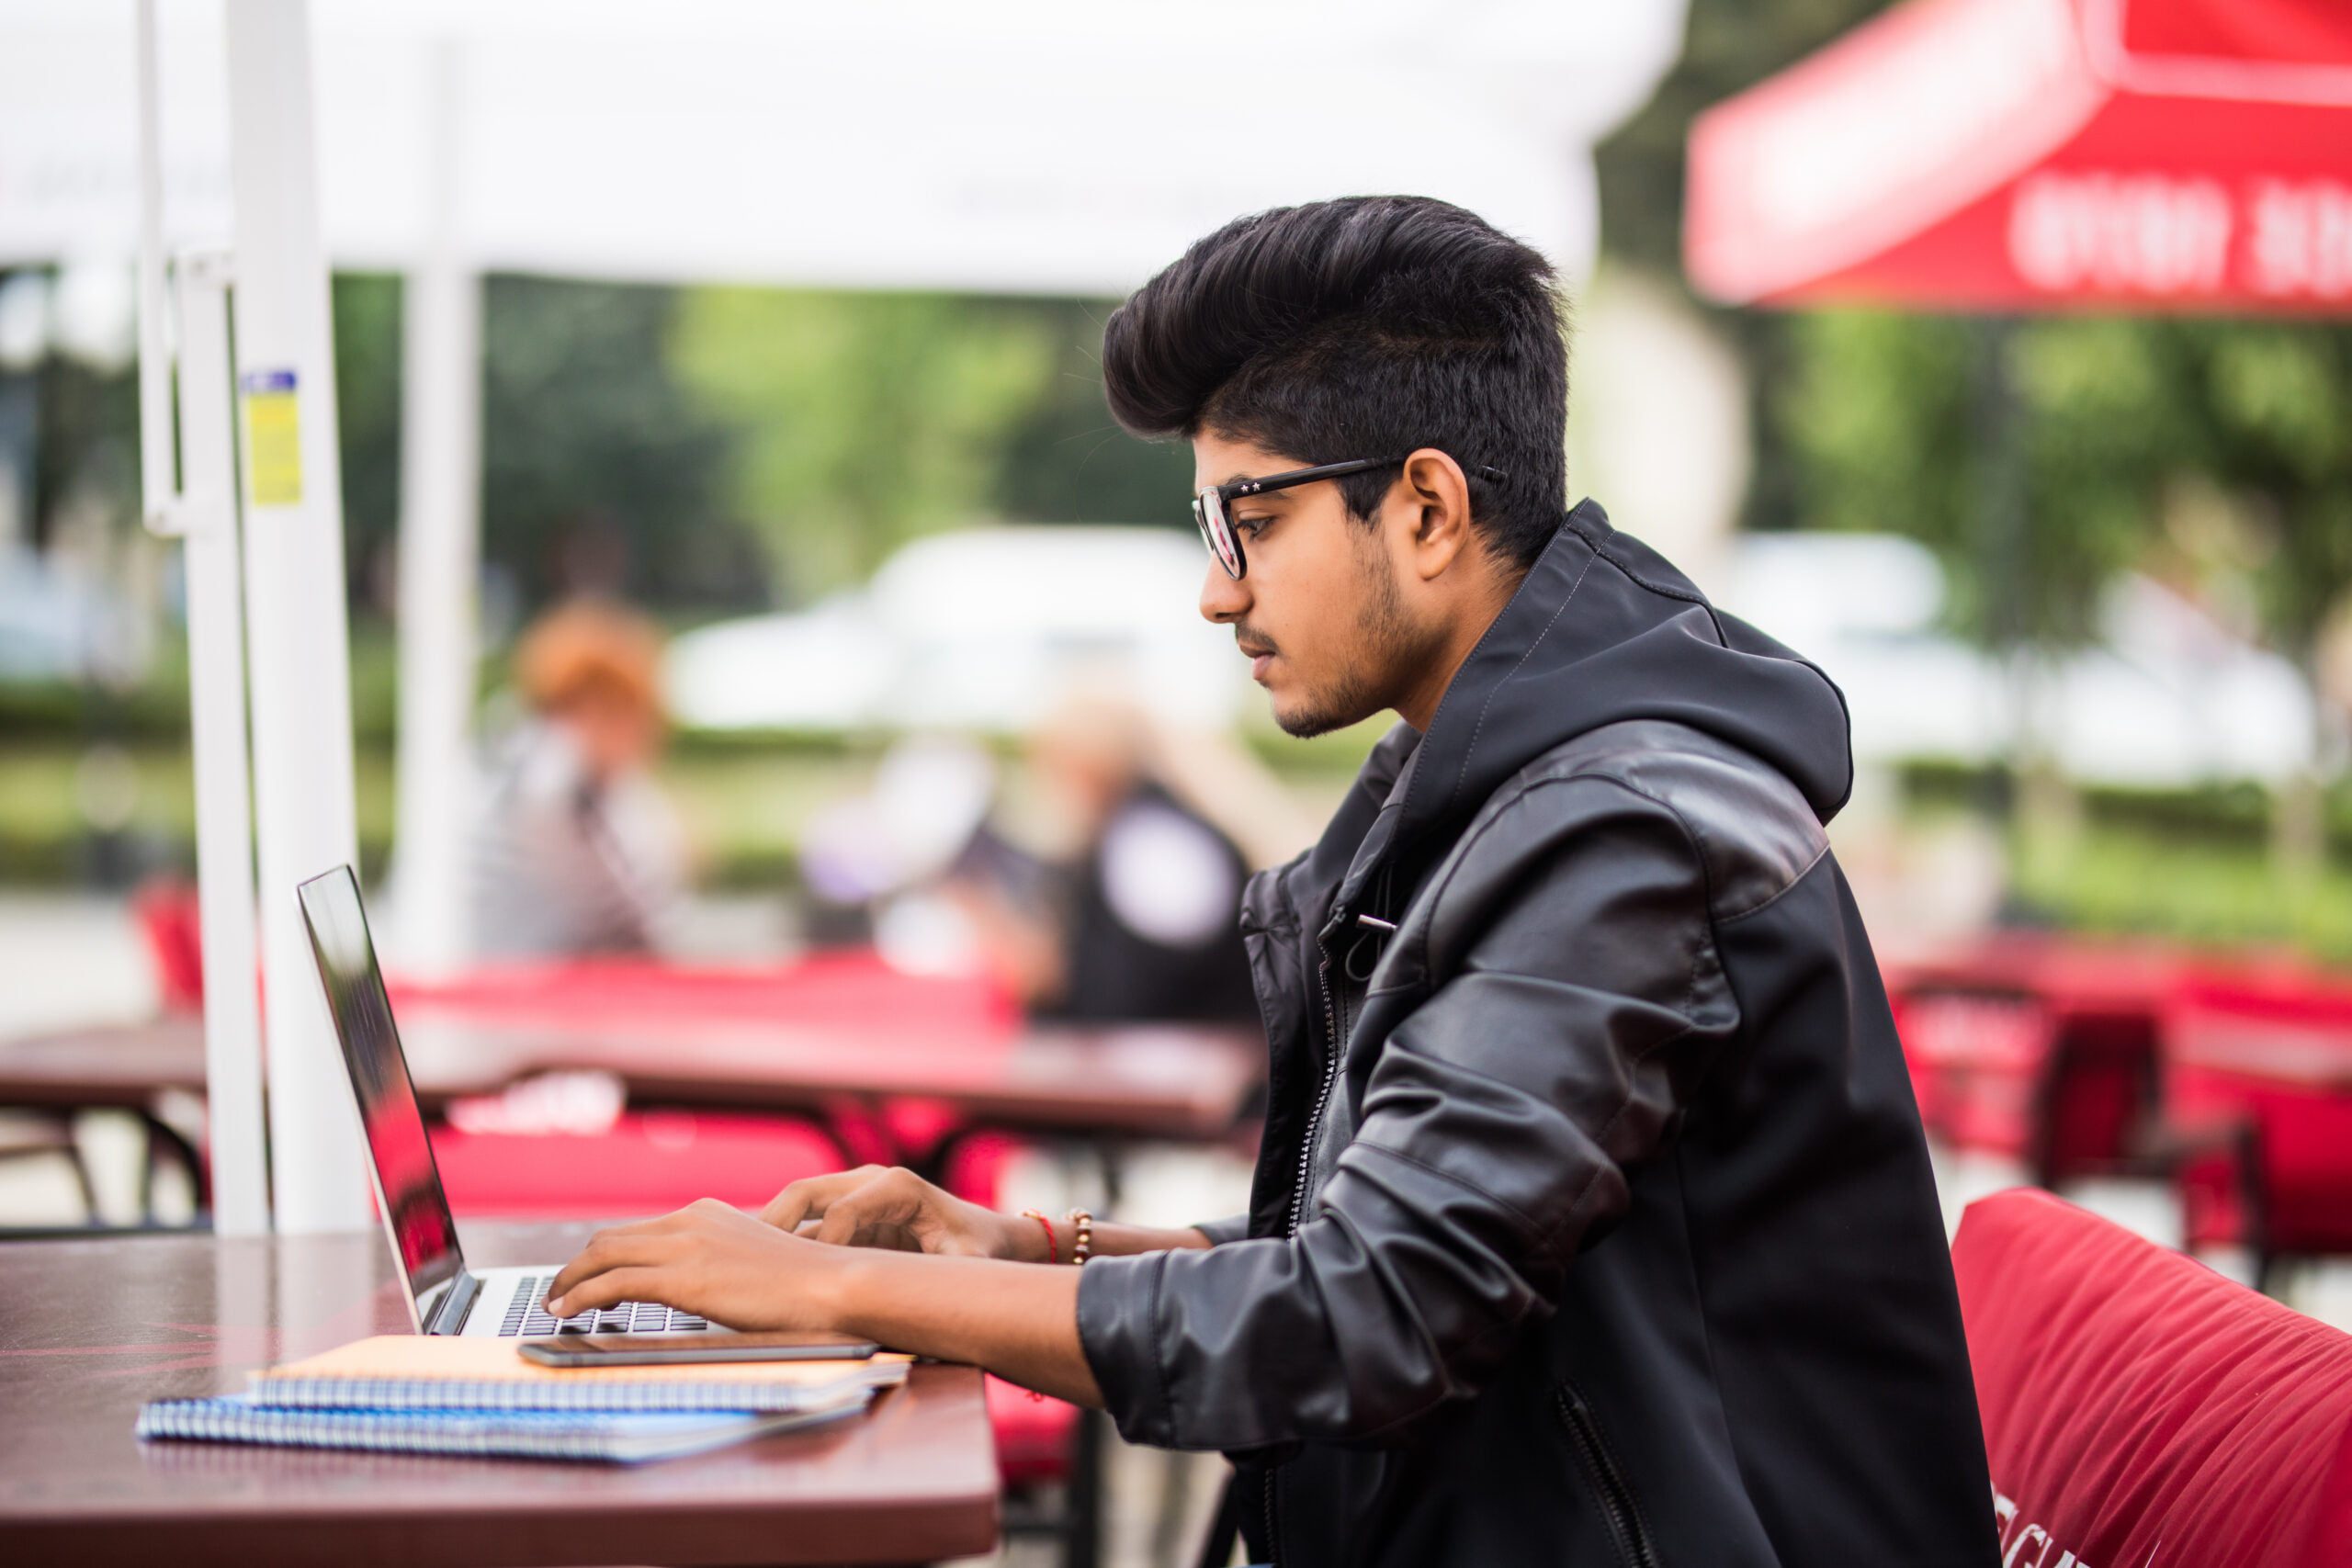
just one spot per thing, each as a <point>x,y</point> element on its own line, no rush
<point>1576,996</point>
<point>1219,1232</point>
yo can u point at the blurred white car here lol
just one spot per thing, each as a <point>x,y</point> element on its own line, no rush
<point>983,630</point>
<point>2169,698</point>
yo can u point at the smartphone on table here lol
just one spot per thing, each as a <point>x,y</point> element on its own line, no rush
<point>686,1349</point>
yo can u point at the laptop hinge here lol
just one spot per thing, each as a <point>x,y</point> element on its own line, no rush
<point>456,1303</point>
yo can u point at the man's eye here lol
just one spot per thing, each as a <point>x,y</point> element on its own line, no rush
<point>1251,527</point>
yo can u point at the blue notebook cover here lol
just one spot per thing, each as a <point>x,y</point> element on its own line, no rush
<point>619,1438</point>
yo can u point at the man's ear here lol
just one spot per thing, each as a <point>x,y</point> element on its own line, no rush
<point>1437,493</point>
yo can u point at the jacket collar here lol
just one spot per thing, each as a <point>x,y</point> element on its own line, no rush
<point>1601,630</point>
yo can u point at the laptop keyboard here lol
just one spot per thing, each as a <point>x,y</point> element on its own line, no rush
<point>527,1316</point>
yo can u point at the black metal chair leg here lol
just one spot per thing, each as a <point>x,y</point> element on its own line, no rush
<point>79,1165</point>
<point>1082,1530</point>
<point>1224,1526</point>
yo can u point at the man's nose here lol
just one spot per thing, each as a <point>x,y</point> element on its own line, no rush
<point>1223,599</point>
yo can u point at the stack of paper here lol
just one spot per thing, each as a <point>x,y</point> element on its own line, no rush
<point>419,1394</point>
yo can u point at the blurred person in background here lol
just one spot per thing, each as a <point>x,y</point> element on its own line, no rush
<point>576,853</point>
<point>1130,916</point>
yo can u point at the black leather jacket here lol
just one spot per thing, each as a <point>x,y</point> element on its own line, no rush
<point>1592,1223</point>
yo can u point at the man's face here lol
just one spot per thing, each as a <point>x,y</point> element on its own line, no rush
<point>1319,610</point>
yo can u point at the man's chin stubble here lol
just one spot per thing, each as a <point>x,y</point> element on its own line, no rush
<point>1321,718</point>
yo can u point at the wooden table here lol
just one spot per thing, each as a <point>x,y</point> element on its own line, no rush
<point>89,1329</point>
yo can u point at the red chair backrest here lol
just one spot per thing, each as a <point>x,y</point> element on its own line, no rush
<point>2273,1053</point>
<point>1976,1060</point>
<point>647,1163</point>
<point>2140,1409</point>
<point>173,929</point>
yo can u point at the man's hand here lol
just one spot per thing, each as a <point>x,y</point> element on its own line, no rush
<point>711,1259</point>
<point>889,1206</point>
<point>724,1265</point>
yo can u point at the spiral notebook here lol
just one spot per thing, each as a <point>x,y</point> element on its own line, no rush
<point>632,1437</point>
<point>409,1372</point>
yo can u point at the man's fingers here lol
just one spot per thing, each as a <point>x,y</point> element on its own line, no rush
<point>841,1223</point>
<point>808,1197</point>
<point>884,1212</point>
<point>632,1283</point>
<point>888,1198</point>
<point>794,1204</point>
<point>624,1247</point>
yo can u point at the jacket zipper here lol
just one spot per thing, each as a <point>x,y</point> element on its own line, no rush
<point>1305,1160</point>
<point>1634,1547</point>
<point>1273,1543</point>
<point>1322,1094</point>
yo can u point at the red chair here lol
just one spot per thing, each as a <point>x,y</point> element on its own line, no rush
<point>2140,1409</point>
<point>2039,1047</point>
<point>2064,1089</point>
<point>1976,1058</point>
<point>2259,1089</point>
<point>1033,1436</point>
<point>171,926</point>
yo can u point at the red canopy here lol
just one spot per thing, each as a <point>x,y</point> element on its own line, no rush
<point>2040,155</point>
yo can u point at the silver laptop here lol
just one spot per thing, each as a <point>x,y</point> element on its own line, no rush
<point>444,1295</point>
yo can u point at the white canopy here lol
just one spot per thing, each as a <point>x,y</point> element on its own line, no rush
<point>1024,146</point>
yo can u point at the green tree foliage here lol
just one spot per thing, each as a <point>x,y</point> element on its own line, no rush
<point>600,470</point>
<point>2116,419</point>
<point>1728,46</point>
<point>629,431</point>
<point>2279,402</point>
<point>859,421</point>
<point>2026,458</point>
<point>1068,461</point>
<point>367,314</point>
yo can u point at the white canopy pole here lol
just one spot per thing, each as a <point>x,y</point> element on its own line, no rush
<point>216,632</point>
<point>158,475</point>
<point>440,546</point>
<point>300,652</point>
<point>206,514</point>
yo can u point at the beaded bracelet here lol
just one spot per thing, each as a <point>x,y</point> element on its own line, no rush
<point>1082,1226</point>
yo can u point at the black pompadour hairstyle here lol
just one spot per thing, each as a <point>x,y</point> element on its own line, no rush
<point>1361,327</point>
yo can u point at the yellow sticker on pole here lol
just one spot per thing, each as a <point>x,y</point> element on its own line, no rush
<point>273,438</point>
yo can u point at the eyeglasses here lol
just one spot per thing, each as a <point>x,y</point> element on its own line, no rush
<point>1216,529</point>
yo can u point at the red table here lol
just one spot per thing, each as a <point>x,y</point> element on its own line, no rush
<point>1190,1085</point>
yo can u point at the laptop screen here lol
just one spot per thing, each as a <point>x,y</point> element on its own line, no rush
<point>408,1184</point>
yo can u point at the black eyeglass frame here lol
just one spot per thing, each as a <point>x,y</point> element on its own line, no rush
<point>1209,505</point>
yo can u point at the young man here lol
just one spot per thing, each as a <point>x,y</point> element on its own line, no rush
<point>1593,1223</point>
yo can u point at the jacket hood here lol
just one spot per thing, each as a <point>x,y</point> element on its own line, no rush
<point>1602,630</point>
